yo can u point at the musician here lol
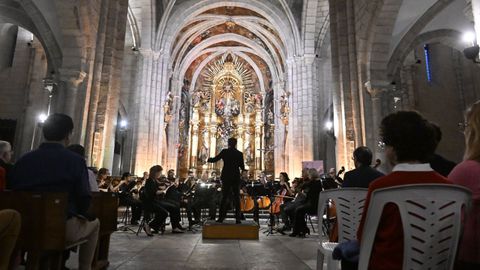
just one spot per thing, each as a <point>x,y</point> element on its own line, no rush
<point>232,164</point>
<point>102,177</point>
<point>311,188</point>
<point>287,209</point>
<point>185,190</point>
<point>156,202</point>
<point>205,197</point>
<point>363,174</point>
<point>126,190</point>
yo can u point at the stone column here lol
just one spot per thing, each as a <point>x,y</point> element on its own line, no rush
<point>70,81</point>
<point>259,150</point>
<point>194,126</point>
<point>376,91</point>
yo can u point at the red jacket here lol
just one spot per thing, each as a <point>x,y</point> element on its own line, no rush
<point>387,251</point>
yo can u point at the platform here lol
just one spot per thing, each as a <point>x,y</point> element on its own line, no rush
<point>248,230</point>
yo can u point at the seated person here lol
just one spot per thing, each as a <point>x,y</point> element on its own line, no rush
<point>5,166</point>
<point>53,168</point>
<point>363,174</point>
<point>409,142</point>
<point>102,179</point>
<point>311,188</point>
<point>125,195</point>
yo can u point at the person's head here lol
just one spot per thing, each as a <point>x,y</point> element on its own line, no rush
<point>213,174</point>
<point>332,172</point>
<point>408,137</point>
<point>362,156</point>
<point>58,128</point>
<point>171,173</point>
<point>78,149</point>
<point>145,175</point>
<point>305,173</point>
<point>5,151</point>
<point>103,174</point>
<point>472,132</point>
<point>232,143</point>
<point>155,172</point>
<point>313,174</point>
<point>126,176</point>
<point>190,174</point>
<point>284,177</point>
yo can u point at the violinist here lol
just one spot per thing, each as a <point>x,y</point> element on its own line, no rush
<point>185,187</point>
<point>125,195</point>
<point>287,209</point>
<point>156,189</point>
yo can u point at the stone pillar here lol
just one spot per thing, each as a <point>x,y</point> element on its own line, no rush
<point>194,136</point>
<point>476,17</point>
<point>376,91</point>
<point>259,148</point>
<point>70,81</point>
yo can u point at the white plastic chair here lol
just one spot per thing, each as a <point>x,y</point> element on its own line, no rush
<point>431,220</point>
<point>349,203</point>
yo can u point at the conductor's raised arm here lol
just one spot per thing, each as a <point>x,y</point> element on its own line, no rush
<point>217,158</point>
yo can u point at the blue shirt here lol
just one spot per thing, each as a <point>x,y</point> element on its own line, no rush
<point>53,168</point>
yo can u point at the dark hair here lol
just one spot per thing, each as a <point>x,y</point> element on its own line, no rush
<point>285,175</point>
<point>363,155</point>
<point>102,171</point>
<point>125,175</point>
<point>232,142</point>
<point>154,170</point>
<point>438,133</point>
<point>411,136</point>
<point>57,127</point>
<point>77,148</point>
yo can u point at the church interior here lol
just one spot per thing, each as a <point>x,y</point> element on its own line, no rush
<point>300,85</point>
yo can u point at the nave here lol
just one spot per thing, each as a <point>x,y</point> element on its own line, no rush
<point>189,251</point>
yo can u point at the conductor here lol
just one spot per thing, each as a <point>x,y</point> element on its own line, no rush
<point>232,163</point>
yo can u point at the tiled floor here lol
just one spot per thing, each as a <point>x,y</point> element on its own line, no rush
<point>189,251</point>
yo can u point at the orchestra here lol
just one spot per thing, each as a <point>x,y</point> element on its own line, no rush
<point>160,196</point>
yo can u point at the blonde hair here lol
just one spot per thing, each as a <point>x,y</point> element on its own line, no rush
<point>472,132</point>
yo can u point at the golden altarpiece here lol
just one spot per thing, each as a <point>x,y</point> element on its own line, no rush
<point>227,104</point>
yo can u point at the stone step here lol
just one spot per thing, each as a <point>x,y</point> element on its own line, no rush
<point>248,230</point>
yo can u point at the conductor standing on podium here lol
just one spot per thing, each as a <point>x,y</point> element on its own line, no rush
<point>232,164</point>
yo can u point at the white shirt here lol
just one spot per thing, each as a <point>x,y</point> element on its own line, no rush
<point>408,167</point>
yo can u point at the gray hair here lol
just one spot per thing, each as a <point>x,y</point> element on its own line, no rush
<point>5,147</point>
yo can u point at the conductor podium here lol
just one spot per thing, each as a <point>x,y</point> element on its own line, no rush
<point>248,230</point>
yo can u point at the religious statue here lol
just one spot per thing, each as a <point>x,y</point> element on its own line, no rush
<point>235,107</point>
<point>167,108</point>
<point>220,107</point>
<point>284,108</point>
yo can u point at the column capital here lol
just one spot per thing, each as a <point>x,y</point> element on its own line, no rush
<point>376,88</point>
<point>74,77</point>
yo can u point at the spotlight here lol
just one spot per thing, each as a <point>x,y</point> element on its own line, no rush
<point>471,53</point>
<point>329,125</point>
<point>42,117</point>
<point>469,37</point>
<point>123,123</point>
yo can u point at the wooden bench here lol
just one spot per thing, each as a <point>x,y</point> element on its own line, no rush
<point>104,206</point>
<point>43,226</point>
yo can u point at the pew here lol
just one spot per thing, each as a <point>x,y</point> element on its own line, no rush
<point>42,234</point>
<point>104,206</point>
<point>43,226</point>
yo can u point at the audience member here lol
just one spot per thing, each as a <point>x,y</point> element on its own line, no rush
<point>3,179</point>
<point>53,168</point>
<point>409,142</point>
<point>363,174</point>
<point>467,174</point>
<point>92,178</point>
<point>440,164</point>
<point>5,158</point>
<point>10,223</point>
<point>102,176</point>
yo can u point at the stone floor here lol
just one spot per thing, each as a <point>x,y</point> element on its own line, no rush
<point>189,251</point>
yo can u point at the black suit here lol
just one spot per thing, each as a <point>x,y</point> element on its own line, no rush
<point>361,177</point>
<point>232,164</point>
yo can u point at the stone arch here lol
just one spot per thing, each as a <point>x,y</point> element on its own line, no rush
<point>26,14</point>
<point>135,32</point>
<point>448,37</point>
<point>378,44</point>
<point>190,9</point>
